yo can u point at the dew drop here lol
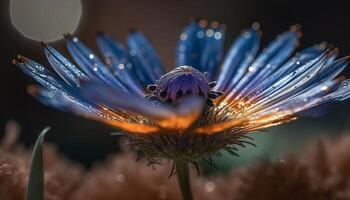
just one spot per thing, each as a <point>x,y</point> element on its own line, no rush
<point>210,32</point>
<point>121,66</point>
<point>132,52</point>
<point>200,34</point>
<point>182,48</point>
<point>183,36</point>
<point>129,65</point>
<point>217,35</point>
<point>247,35</point>
<point>251,69</point>
<point>324,88</point>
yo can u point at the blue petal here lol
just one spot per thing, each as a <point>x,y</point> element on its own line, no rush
<point>190,45</point>
<point>240,55</point>
<point>288,84</point>
<point>200,47</point>
<point>145,58</point>
<point>307,99</point>
<point>61,101</point>
<point>180,117</point>
<point>212,52</point>
<point>292,64</point>
<point>91,111</point>
<point>117,58</point>
<point>268,61</point>
<point>54,86</point>
<point>63,67</point>
<point>42,75</point>
<point>91,64</point>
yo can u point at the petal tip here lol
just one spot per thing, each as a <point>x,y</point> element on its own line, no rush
<point>68,36</point>
<point>43,44</point>
<point>296,28</point>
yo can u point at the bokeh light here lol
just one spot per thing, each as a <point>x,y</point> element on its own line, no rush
<point>45,20</point>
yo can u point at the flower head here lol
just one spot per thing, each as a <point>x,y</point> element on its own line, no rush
<point>185,114</point>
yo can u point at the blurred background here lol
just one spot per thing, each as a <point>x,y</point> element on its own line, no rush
<point>23,23</point>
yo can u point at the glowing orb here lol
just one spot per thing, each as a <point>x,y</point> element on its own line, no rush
<point>45,20</point>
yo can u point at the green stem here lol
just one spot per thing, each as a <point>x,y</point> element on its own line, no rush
<point>184,179</point>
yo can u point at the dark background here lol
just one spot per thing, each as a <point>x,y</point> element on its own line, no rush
<point>162,21</point>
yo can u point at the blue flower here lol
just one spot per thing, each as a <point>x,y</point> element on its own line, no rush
<point>185,112</point>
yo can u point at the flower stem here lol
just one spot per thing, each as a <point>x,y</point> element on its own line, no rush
<point>184,179</point>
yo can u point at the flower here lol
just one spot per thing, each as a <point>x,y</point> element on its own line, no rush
<point>185,114</point>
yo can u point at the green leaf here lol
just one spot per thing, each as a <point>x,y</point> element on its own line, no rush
<point>35,188</point>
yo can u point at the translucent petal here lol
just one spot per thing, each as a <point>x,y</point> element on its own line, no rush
<point>178,118</point>
<point>267,62</point>
<point>63,67</point>
<point>52,83</point>
<point>144,57</point>
<point>307,88</point>
<point>190,45</point>
<point>236,62</point>
<point>212,51</point>
<point>200,47</point>
<point>284,87</point>
<point>91,64</point>
<point>42,75</point>
<point>262,89</point>
<point>304,100</point>
<point>117,58</point>
<point>89,111</point>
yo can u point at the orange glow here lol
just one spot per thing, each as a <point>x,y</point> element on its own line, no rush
<point>132,127</point>
<point>216,128</point>
<point>178,122</point>
<point>121,121</point>
<point>126,122</point>
<point>244,117</point>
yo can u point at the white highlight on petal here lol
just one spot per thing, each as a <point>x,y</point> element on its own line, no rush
<point>251,69</point>
<point>183,36</point>
<point>132,52</point>
<point>200,34</point>
<point>121,66</point>
<point>247,35</point>
<point>210,32</point>
<point>218,35</point>
<point>45,20</point>
<point>182,48</point>
<point>324,88</point>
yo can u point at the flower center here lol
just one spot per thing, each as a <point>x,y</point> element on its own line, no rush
<point>183,81</point>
